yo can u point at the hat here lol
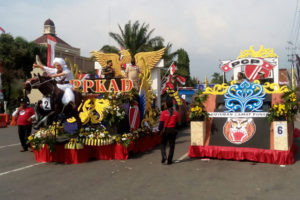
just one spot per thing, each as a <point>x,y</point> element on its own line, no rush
<point>23,100</point>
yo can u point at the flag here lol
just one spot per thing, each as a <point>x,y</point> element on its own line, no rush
<point>134,116</point>
<point>1,29</point>
<point>51,42</point>
<point>83,76</point>
<point>181,80</point>
<point>172,69</point>
<point>167,84</point>
<point>98,74</point>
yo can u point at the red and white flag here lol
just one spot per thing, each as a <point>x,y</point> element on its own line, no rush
<point>181,80</point>
<point>167,84</point>
<point>51,42</point>
<point>83,76</point>
<point>134,116</point>
<point>172,69</point>
<point>2,30</point>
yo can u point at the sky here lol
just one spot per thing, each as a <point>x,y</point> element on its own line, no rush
<point>209,30</point>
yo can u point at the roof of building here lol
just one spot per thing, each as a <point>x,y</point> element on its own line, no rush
<point>49,22</point>
<point>43,39</point>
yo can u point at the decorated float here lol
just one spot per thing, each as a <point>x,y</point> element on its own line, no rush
<point>116,119</point>
<point>246,119</point>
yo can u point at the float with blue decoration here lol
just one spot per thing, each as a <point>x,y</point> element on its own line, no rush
<point>250,119</point>
<point>116,118</point>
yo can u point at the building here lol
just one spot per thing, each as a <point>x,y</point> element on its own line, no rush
<point>63,49</point>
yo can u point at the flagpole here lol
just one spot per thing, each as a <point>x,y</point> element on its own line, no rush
<point>167,71</point>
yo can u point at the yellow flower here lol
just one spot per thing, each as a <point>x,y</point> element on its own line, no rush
<point>30,138</point>
<point>200,109</point>
<point>281,107</point>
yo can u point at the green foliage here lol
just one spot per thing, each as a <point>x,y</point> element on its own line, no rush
<point>183,65</point>
<point>137,38</point>
<point>110,49</point>
<point>197,110</point>
<point>194,81</point>
<point>286,110</point>
<point>217,78</point>
<point>17,56</point>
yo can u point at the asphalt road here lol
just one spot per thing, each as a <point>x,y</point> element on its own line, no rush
<point>142,176</point>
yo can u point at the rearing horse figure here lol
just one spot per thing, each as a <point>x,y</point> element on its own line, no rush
<point>47,86</point>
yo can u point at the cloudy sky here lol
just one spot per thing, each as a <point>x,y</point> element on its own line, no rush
<point>209,30</point>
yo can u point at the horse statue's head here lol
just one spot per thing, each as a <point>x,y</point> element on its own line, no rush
<point>38,82</point>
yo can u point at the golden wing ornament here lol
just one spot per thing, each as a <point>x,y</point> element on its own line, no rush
<point>102,58</point>
<point>126,56</point>
<point>151,58</point>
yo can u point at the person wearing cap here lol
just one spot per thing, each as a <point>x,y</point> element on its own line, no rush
<point>63,75</point>
<point>24,117</point>
<point>108,71</point>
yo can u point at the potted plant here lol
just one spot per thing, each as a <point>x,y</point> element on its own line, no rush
<point>197,117</point>
<point>280,115</point>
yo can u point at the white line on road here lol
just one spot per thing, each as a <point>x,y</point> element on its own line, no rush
<point>184,156</point>
<point>19,169</point>
<point>10,145</point>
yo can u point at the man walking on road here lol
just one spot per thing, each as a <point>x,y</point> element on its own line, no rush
<point>24,116</point>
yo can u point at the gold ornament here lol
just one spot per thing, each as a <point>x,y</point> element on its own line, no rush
<point>146,83</point>
<point>271,88</point>
<point>150,58</point>
<point>261,53</point>
<point>218,89</point>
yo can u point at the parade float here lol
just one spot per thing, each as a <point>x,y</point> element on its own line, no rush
<point>246,119</point>
<point>116,119</point>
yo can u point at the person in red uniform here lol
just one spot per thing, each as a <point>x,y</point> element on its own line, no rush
<point>24,116</point>
<point>169,119</point>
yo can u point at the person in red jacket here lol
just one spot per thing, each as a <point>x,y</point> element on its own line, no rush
<point>24,116</point>
<point>168,119</point>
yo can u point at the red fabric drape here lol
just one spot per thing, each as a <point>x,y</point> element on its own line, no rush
<point>243,153</point>
<point>108,152</point>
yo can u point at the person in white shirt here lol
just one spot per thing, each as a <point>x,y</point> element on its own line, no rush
<point>62,74</point>
<point>132,72</point>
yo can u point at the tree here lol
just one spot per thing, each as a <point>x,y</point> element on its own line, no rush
<point>137,38</point>
<point>109,49</point>
<point>183,65</point>
<point>217,78</point>
<point>16,57</point>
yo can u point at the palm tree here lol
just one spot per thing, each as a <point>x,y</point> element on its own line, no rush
<point>137,38</point>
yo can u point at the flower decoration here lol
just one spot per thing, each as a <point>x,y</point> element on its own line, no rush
<point>46,136</point>
<point>197,111</point>
<point>287,110</point>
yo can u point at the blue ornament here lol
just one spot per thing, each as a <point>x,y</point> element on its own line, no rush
<point>245,97</point>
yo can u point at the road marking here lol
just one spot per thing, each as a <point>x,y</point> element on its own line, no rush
<point>10,145</point>
<point>184,156</point>
<point>19,169</point>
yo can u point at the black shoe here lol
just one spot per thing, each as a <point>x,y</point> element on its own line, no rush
<point>163,160</point>
<point>23,150</point>
<point>169,162</point>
